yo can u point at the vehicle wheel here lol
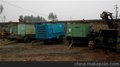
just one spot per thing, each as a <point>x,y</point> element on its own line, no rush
<point>60,40</point>
<point>46,41</point>
<point>11,38</point>
<point>26,39</point>
<point>87,42</point>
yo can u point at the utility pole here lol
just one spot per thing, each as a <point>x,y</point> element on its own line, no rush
<point>116,9</point>
<point>70,18</point>
<point>4,18</point>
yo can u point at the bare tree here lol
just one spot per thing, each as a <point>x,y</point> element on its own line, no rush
<point>42,19</point>
<point>31,19</point>
<point>52,17</point>
<point>1,9</point>
<point>21,18</point>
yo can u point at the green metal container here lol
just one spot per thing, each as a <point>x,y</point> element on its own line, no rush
<point>26,29</point>
<point>77,30</point>
<point>23,31</point>
<point>78,33</point>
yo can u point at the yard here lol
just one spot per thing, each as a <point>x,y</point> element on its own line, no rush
<point>15,51</point>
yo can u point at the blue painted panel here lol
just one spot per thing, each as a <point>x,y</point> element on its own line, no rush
<point>8,27</point>
<point>49,31</point>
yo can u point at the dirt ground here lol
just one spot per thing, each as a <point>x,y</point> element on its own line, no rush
<point>14,51</point>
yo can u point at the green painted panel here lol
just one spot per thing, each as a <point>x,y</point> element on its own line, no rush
<point>25,29</point>
<point>30,29</point>
<point>21,29</point>
<point>77,30</point>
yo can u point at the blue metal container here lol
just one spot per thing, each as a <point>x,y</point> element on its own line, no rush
<point>8,27</point>
<point>11,27</point>
<point>48,31</point>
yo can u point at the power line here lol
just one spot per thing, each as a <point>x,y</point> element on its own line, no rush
<point>21,8</point>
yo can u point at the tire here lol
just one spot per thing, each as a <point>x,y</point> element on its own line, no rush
<point>11,38</point>
<point>60,40</point>
<point>86,42</point>
<point>26,39</point>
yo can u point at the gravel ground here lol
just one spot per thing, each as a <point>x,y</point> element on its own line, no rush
<point>52,52</point>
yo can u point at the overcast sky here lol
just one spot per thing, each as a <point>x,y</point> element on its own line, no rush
<point>64,9</point>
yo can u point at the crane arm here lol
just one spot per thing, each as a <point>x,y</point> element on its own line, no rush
<point>107,16</point>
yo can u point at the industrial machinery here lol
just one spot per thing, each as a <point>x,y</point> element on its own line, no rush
<point>49,31</point>
<point>78,34</point>
<point>3,31</point>
<point>107,38</point>
<point>21,31</point>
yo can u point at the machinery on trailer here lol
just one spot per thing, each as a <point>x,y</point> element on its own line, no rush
<point>21,31</point>
<point>107,38</point>
<point>78,34</point>
<point>49,31</point>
